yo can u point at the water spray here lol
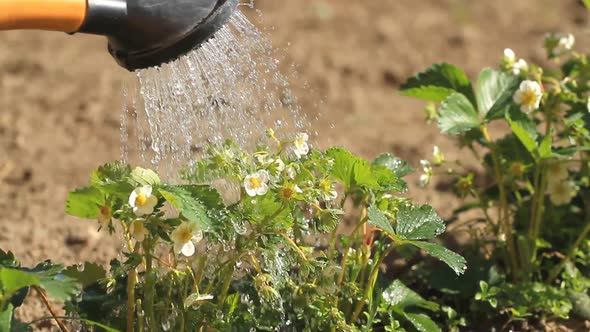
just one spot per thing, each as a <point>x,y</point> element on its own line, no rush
<point>140,33</point>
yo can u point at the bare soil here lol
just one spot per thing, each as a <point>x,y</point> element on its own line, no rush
<point>60,97</point>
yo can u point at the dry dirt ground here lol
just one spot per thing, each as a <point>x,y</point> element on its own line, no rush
<point>60,96</point>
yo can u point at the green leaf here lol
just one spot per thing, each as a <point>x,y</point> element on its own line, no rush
<point>57,285</point>
<point>580,303</point>
<point>85,203</point>
<point>400,296</point>
<point>586,3</point>
<point>387,180</point>
<point>364,175</point>
<point>200,204</point>
<point>418,222</point>
<point>351,170</point>
<point>494,92</point>
<point>457,115</point>
<point>569,151</point>
<point>88,275</point>
<point>377,218</point>
<point>428,92</point>
<point>422,322</point>
<point>7,259</point>
<point>343,168</point>
<point>13,280</point>
<point>144,177</point>
<point>437,83</point>
<point>398,166</point>
<point>545,147</point>
<point>524,136</point>
<point>110,173</point>
<point>6,318</point>
<point>453,260</point>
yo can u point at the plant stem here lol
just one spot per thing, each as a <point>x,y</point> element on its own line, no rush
<point>149,286</point>
<point>555,272</point>
<point>131,282</point>
<point>226,285</point>
<point>370,284</point>
<point>505,224</point>
<point>539,210</point>
<point>294,245</point>
<point>45,300</point>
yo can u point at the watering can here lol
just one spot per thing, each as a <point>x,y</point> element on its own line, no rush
<point>140,33</point>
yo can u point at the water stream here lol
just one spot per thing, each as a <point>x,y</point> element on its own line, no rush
<point>230,88</point>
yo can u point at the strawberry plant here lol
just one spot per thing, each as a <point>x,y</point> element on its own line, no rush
<point>528,210</point>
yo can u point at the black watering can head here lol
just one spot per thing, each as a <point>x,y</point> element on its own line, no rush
<point>146,33</point>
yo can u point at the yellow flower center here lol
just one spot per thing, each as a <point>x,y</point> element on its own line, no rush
<point>287,192</point>
<point>140,200</point>
<point>326,186</point>
<point>517,169</point>
<point>255,182</point>
<point>529,97</point>
<point>185,235</point>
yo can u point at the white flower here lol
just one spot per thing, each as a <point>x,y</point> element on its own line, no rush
<point>520,66</point>
<point>142,201</point>
<point>509,55</point>
<point>588,105</point>
<point>276,166</point>
<point>257,183</point>
<point>559,44</point>
<point>290,172</point>
<point>565,43</point>
<point>105,216</point>
<point>510,63</point>
<point>327,190</point>
<point>262,158</point>
<point>184,237</point>
<point>438,156</point>
<point>528,96</point>
<point>427,175</point>
<point>137,230</point>
<point>301,146</point>
<point>562,192</point>
<point>557,172</point>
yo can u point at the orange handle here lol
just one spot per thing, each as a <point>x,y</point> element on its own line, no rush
<point>55,15</point>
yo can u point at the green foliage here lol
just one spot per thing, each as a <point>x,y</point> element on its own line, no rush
<point>197,203</point>
<point>437,83</point>
<point>418,223</point>
<point>494,93</point>
<point>457,115</point>
<point>85,203</point>
<point>259,270</point>
<point>527,207</point>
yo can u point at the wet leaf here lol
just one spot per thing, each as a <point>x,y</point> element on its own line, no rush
<point>452,259</point>
<point>196,203</point>
<point>377,218</point>
<point>398,166</point>
<point>418,223</point>
<point>86,275</point>
<point>399,295</point>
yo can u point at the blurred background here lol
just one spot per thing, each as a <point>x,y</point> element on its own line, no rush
<point>60,96</point>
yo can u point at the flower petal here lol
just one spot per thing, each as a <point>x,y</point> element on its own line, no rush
<point>188,249</point>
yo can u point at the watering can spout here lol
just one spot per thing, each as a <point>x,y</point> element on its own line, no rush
<point>141,33</point>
